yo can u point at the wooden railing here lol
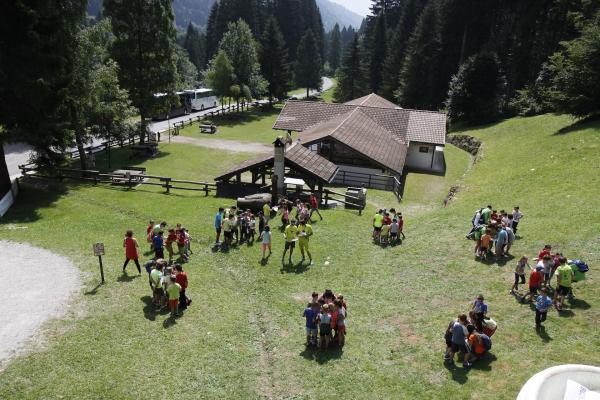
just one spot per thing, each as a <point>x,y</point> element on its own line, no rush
<point>374,181</point>
<point>128,180</point>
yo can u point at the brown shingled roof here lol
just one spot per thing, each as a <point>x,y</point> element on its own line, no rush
<point>372,100</point>
<point>297,157</point>
<point>407,125</point>
<point>364,135</point>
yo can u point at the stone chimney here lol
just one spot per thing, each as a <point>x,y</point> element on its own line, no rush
<point>279,164</point>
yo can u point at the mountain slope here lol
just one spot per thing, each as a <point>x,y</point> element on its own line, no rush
<point>332,13</point>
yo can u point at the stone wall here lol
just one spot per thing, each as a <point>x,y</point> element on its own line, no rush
<point>467,143</point>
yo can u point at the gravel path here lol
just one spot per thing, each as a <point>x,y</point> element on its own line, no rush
<point>221,144</point>
<point>36,286</point>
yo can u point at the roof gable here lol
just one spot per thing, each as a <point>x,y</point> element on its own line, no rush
<point>373,100</point>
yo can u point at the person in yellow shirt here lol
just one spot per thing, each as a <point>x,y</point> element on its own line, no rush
<point>267,213</point>
<point>291,237</point>
<point>304,233</point>
<point>377,224</point>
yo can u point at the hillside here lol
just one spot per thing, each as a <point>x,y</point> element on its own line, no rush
<point>196,11</point>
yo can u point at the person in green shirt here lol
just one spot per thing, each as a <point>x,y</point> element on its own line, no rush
<point>305,231</point>
<point>155,282</point>
<point>377,224</point>
<point>291,236</point>
<point>173,292</point>
<point>564,276</point>
<point>486,214</point>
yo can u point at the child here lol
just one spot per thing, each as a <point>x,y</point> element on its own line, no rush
<point>188,242</point>
<point>251,227</point>
<point>181,243</point>
<point>394,231</point>
<point>564,276</point>
<point>384,236</point>
<point>182,279</point>
<point>542,304</point>
<point>315,297</point>
<point>486,241</point>
<point>377,223</point>
<point>480,309</point>
<point>171,238</point>
<point>285,216</point>
<point>520,274</point>
<point>131,251</point>
<point>311,324</point>
<point>401,226</point>
<point>265,238</point>
<point>261,221</point>
<point>243,226</point>
<point>149,233</point>
<point>155,283</point>
<point>535,281</point>
<point>158,245</point>
<point>174,291</point>
<point>324,319</point>
<point>228,226</point>
<point>341,322</point>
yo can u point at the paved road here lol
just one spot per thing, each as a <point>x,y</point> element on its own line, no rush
<point>19,153</point>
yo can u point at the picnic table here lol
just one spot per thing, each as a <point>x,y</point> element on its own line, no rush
<point>122,176</point>
<point>212,129</point>
<point>144,149</point>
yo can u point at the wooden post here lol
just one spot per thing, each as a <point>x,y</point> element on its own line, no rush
<point>101,269</point>
<point>168,184</point>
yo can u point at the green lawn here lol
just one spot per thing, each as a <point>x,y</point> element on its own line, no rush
<point>243,335</point>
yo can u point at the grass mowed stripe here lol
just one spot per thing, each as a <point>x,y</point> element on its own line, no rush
<point>243,335</point>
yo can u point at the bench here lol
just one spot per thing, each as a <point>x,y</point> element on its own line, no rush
<point>123,176</point>
<point>212,129</point>
<point>144,150</point>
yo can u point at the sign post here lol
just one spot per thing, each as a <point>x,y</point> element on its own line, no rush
<point>99,251</point>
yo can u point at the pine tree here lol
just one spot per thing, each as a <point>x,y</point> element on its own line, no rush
<point>35,68</point>
<point>476,91</point>
<point>308,63</point>
<point>195,44</point>
<point>377,52</point>
<point>418,82</point>
<point>212,36</point>
<point>144,48</point>
<point>350,82</point>
<point>335,48</point>
<point>275,67</point>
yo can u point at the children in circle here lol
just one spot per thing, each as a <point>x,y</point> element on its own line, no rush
<point>326,317</point>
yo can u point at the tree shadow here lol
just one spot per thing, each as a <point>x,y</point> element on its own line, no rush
<point>459,375</point>
<point>32,197</point>
<point>579,304</point>
<point>322,356</point>
<point>577,125</point>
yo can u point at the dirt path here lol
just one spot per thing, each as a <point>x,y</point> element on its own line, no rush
<point>36,285</point>
<point>221,144</point>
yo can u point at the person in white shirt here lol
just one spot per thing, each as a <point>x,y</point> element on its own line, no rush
<point>517,215</point>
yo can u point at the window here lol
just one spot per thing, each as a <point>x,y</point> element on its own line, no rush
<point>423,149</point>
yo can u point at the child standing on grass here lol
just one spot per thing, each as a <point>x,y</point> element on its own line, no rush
<point>173,292</point>
<point>324,319</point>
<point>486,241</point>
<point>341,323</point>
<point>394,227</point>
<point>181,244</point>
<point>384,236</point>
<point>265,238</point>
<point>535,282</point>
<point>171,238</point>
<point>156,284</point>
<point>251,227</point>
<point>158,245</point>
<point>150,233</point>
<point>542,304</point>
<point>311,324</point>
<point>131,251</point>
<point>520,274</point>
<point>401,226</point>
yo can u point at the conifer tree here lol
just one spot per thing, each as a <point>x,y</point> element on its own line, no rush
<point>350,75</point>
<point>195,44</point>
<point>335,48</point>
<point>275,67</point>
<point>308,63</point>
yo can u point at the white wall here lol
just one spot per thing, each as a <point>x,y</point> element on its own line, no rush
<point>417,160</point>
<point>9,198</point>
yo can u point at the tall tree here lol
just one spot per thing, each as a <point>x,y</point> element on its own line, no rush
<point>308,63</point>
<point>95,105</point>
<point>335,48</point>
<point>241,48</point>
<point>275,67</point>
<point>144,48</point>
<point>219,76</point>
<point>419,77</point>
<point>213,36</point>
<point>477,90</point>
<point>187,73</point>
<point>195,44</point>
<point>378,48</point>
<point>350,75</point>
<point>35,70</point>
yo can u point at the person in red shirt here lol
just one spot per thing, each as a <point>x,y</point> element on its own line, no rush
<point>387,220</point>
<point>182,278</point>
<point>401,226</point>
<point>314,207</point>
<point>181,243</point>
<point>171,238</point>
<point>535,281</point>
<point>150,234</point>
<point>131,251</point>
<point>544,252</point>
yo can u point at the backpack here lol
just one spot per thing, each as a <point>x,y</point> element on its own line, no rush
<point>583,267</point>
<point>487,342</point>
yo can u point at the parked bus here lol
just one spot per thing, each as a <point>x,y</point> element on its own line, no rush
<point>177,110</point>
<point>201,99</point>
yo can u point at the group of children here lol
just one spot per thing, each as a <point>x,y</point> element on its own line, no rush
<point>304,211</point>
<point>388,227</point>
<point>494,232</point>
<point>168,284</point>
<point>470,335</point>
<point>326,317</point>
<point>178,236</point>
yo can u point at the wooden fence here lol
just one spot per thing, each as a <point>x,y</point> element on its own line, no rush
<point>127,180</point>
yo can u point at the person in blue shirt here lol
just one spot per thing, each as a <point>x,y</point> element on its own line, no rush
<point>542,304</point>
<point>219,223</point>
<point>310,313</point>
<point>480,309</point>
<point>501,242</point>
<point>158,245</point>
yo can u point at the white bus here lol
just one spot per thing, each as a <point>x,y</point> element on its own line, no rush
<point>201,99</point>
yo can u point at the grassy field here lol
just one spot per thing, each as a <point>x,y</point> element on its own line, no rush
<point>243,335</point>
